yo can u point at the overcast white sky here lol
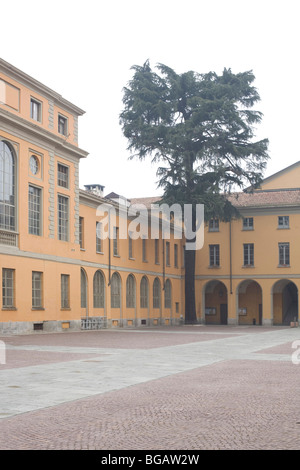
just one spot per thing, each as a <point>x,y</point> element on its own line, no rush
<point>84,50</point>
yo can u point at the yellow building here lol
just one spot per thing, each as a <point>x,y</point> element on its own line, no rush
<point>57,270</point>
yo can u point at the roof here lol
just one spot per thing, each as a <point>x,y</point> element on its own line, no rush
<point>269,198</point>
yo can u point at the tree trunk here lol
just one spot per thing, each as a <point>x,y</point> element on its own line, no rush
<point>190,302</point>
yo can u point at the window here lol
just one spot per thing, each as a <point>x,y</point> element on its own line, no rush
<point>62,125</point>
<point>156,293</point>
<point>116,241</point>
<point>168,253</point>
<point>130,291</point>
<point>37,289</point>
<point>214,255</point>
<point>35,110</point>
<point>8,282</point>
<point>156,251</point>
<point>144,292</point>
<point>98,289</point>
<point>168,293</point>
<point>63,218</point>
<point>130,246</point>
<point>98,237</point>
<point>176,255</point>
<point>248,223</point>
<point>34,210</point>
<point>83,289</point>
<point>62,176</point>
<point>81,232</point>
<point>115,291</point>
<point>283,221</point>
<point>65,290</point>
<point>144,249</point>
<point>249,254</point>
<point>7,188</point>
<point>214,225</point>
<point>284,254</point>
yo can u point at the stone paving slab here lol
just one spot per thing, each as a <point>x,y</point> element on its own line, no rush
<point>223,392</point>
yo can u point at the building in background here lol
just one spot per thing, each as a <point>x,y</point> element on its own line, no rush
<point>58,272</point>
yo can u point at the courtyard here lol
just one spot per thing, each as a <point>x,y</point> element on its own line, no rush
<point>200,387</point>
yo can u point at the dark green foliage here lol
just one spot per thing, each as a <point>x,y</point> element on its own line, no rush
<point>200,128</point>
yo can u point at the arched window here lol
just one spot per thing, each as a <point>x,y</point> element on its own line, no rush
<point>130,291</point>
<point>168,293</point>
<point>115,291</point>
<point>83,289</point>
<point>156,293</point>
<point>144,293</point>
<point>7,188</point>
<point>98,289</point>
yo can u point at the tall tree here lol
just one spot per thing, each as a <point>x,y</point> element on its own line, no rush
<point>201,130</point>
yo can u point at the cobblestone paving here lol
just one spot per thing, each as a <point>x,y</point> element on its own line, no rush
<point>185,388</point>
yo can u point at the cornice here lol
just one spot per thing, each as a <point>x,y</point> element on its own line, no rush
<point>34,84</point>
<point>11,123</point>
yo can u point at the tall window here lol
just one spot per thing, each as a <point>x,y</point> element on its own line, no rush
<point>81,232</point>
<point>213,225</point>
<point>176,255</point>
<point>34,210</point>
<point>8,278</point>
<point>144,293</point>
<point>62,176</point>
<point>130,291</point>
<point>130,246</point>
<point>83,289</point>
<point>35,110</point>
<point>214,255</point>
<point>7,188</point>
<point>62,125</point>
<point>63,218</point>
<point>144,249</point>
<point>156,293</point>
<point>37,289</point>
<point>248,223</point>
<point>115,291</point>
<point>168,253</point>
<point>248,254</point>
<point>156,251</point>
<point>98,237</point>
<point>65,290</point>
<point>116,241</point>
<point>98,289</point>
<point>284,254</point>
<point>168,293</point>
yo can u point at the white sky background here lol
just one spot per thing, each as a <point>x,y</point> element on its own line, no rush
<point>84,50</point>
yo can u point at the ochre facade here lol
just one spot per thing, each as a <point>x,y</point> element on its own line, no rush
<point>57,271</point>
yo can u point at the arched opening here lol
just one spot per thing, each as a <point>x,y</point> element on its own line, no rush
<point>168,294</point>
<point>285,302</point>
<point>98,289</point>
<point>7,187</point>
<point>249,302</point>
<point>115,291</point>
<point>144,293</point>
<point>156,293</point>
<point>215,303</point>
<point>130,291</point>
<point>83,290</point>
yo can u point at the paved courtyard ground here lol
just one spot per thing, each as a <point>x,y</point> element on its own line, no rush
<point>183,388</point>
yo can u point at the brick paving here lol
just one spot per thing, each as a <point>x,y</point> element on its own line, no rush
<point>185,388</point>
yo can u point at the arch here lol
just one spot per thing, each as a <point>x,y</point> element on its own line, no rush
<point>144,292</point>
<point>98,289</point>
<point>214,303</point>
<point>7,187</point>
<point>249,302</point>
<point>115,290</point>
<point>168,294</point>
<point>285,302</point>
<point>83,288</point>
<point>130,291</point>
<point>156,293</point>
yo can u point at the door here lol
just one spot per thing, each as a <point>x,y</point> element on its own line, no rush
<point>223,314</point>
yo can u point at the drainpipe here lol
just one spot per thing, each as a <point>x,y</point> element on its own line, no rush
<point>109,248</point>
